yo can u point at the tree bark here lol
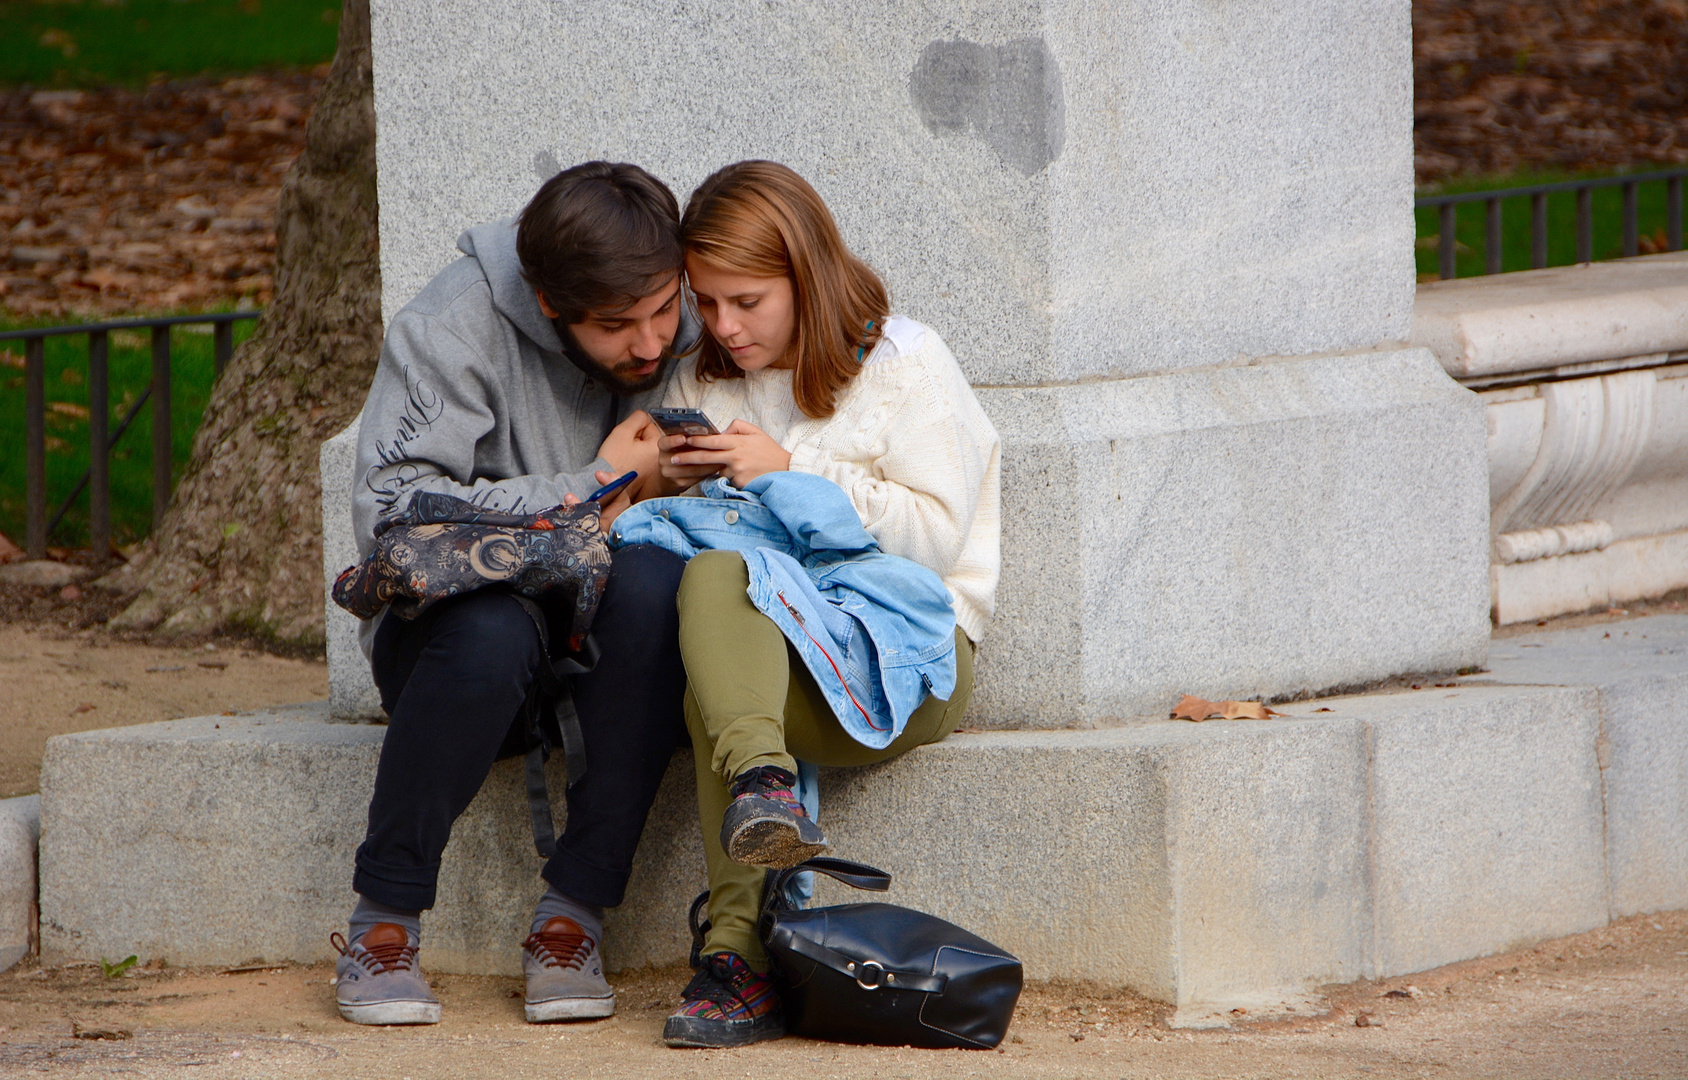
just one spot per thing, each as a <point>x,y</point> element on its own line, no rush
<point>240,549</point>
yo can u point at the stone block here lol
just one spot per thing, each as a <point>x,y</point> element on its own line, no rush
<point>1063,190</point>
<point>1228,856</point>
<point>215,840</point>
<point>1628,570</point>
<point>1225,863</point>
<point>1241,532</point>
<point>20,832</point>
<point>1640,670</point>
<point>1193,864</point>
<point>1485,829</point>
<point>1540,320</point>
<point>230,840</point>
<point>351,688</point>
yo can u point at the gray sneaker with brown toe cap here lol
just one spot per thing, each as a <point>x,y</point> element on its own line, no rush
<point>565,975</point>
<point>377,980</point>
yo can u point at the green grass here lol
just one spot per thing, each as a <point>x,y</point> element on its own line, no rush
<point>1470,230</point>
<point>72,43</point>
<point>130,372</point>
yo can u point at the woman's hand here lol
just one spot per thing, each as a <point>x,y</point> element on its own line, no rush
<point>677,478</point>
<point>741,454</point>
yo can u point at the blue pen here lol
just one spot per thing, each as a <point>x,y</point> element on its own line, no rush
<point>612,487</point>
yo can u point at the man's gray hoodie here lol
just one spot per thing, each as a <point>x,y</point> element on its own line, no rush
<point>474,397</point>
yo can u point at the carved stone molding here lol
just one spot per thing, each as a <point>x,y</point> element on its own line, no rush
<point>1517,547</point>
<point>1593,431</point>
<point>1583,377</point>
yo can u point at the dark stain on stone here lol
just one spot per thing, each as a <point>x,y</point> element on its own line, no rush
<point>1008,94</point>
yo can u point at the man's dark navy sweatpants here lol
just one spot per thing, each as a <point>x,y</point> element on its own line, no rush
<point>453,681</point>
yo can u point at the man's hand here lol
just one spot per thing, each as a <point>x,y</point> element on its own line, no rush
<point>741,454</point>
<point>621,500</point>
<point>632,445</point>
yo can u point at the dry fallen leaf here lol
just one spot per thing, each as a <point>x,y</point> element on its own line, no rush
<point>1190,707</point>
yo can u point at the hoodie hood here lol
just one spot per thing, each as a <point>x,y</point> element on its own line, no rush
<point>493,245</point>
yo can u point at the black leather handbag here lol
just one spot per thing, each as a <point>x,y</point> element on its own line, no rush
<point>884,974</point>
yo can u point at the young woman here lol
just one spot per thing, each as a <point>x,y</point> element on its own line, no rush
<point>816,375</point>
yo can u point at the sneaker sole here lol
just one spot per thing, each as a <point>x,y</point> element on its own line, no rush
<point>387,1013</point>
<point>771,844</point>
<point>545,1012</point>
<point>688,1033</point>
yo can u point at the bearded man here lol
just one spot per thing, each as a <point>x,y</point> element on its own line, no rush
<point>514,379</point>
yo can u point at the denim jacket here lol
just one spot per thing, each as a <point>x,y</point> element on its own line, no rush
<point>876,631</point>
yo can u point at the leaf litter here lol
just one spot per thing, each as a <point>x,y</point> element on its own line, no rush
<point>117,201</point>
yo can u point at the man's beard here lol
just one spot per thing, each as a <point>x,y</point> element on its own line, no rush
<point>619,383</point>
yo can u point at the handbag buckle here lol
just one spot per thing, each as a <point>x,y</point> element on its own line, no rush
<point>860,971</point>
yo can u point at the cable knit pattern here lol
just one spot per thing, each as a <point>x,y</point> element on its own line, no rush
<point>910,445</point>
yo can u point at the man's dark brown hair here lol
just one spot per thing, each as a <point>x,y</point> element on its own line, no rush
<point>599,237</point>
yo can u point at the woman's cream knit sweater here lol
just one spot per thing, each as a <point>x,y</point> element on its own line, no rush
<point>908,443</point>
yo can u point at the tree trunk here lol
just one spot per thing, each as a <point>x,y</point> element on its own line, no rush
<point>240,549</point>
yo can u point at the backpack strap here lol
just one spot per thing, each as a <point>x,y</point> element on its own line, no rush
<point>539,802</point>
<point>550,689</point>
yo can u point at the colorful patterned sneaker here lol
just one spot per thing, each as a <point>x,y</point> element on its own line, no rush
<point>725,1004</point>
<point>765,825</point>
<point>377,980</point>
<point>565,978</point>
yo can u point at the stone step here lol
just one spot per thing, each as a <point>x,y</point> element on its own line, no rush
<point>1204,865</point>
<point>20,833</point>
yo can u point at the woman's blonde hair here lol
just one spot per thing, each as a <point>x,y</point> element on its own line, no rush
<point>760,219</point>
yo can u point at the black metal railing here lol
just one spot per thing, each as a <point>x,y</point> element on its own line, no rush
<point>1447,206</point>
<point>97,478</point>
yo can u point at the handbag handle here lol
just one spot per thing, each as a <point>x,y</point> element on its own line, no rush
<point>854,874</point>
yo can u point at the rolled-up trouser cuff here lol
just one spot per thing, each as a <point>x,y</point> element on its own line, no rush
<point>409,888</point>
<point>576,877</point>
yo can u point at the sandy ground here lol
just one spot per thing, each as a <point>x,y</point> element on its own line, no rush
<point>1609,1003</point>
<point>55,681</point>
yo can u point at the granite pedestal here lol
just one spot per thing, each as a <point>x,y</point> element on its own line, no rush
<point>1170,244</point>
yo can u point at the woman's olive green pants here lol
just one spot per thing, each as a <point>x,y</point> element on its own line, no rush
<point>751,701</point>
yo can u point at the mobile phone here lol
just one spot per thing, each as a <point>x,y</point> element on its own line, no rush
<point>683,422</point>
<point>612,487</point>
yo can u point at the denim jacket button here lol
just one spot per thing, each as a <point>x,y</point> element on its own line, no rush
<point>732,517</point>
<point>664,513</point>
